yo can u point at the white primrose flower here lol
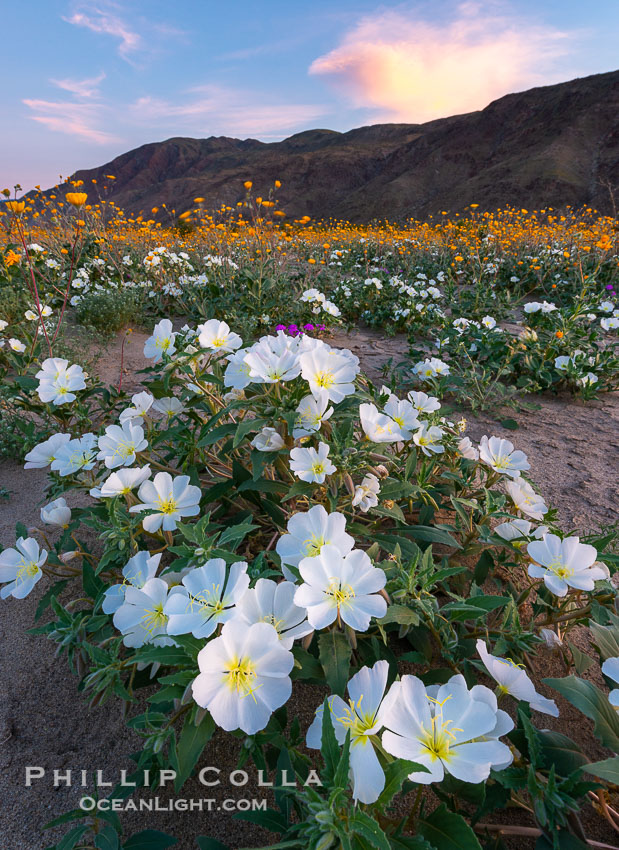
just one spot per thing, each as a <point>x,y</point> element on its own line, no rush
<point>488,322</point>
<point>328,370</point>
<point>169,406</point>
<point>208,597</point>
<point>142,403</point>
<point>448,729</point>
<point>607,306</point>
<point>56,513</point>
<point>366,493</point>
<point>267,366</point>
<point>268,440</point>
<point>77,454</point>
<point>3,325</point>
<point>140,617</point>
<point>45,453</point>
<point>423,403</point>
<point>427,438</point>
<point>272,602</point>
<point>431,367</point>
<point>21,568</point>
<point>120,443</point>
<point>499,455</point>
<point>171,499</point>
<point>341,587</point>
<point>362,716</point>
<point>311,465</point>
<point>532,307</point>
<point>244,676</point>
<point>312,411</point>
<point>307,533</point>
<point>161,341</point>
<point>137,571</point>
<point>17,345</point>
<point>564,563</point>
<point>217,336</point>
<point>58,382</point>
<point>517,531</point>
<point>403,414</point>
<point>467,449</point>
<point>377,426</point>
<point>121,483</point>
<point>610,668</point>
<point>562,362</point>
<point>610,324</point>
<point>513,680</point>
<point>237,371</point>
<point>526,499</point>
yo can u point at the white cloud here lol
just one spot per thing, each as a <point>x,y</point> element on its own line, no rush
<point>88,88</point>
<point>74,119</point>
<point>411,70</point>
<point>104,21</point>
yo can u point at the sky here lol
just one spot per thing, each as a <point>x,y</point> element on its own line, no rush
<point>83,82</point>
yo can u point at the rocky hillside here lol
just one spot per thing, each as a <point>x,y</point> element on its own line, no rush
<point>549,146</point>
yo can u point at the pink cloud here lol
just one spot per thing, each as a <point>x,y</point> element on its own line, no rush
<point>102,21</point>
<point>88,88</point>
<point>74,119</point>
<point>412,70</point>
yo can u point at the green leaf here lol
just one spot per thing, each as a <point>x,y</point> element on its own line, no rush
<point>268,819</point>
<point>92,584</point>
<point>329,746</point>
<point>245,427</point>
<point>149,839</point>
<point>401,614</point>
<point>510,424</point>
<point>594,704</point>
<point>52,592</point>
<point>367,828</point>
<point>582,661</point>
<point>607,769</point>
<point>205,843</point>
<point>171,656</point>
<point>396,774</point>
<point>69,840</point>
<point>448,831</point>
<point>190,745</point>
<point>335,652</point>
<point>107,839</point>
<point>561,751</point>
<point>430,534</point>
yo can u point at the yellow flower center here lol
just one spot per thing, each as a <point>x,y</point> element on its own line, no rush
<point>324,379</point>
<point>154,618</point>
<point>167,506</point>
<point>218,342</point>
<point>341,594</point>
<point>27,569</point>
<point>560,569</point>
<point>240,676</point>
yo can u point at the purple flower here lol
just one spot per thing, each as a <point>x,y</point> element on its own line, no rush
<point>280,327</point>
<point>609,286</point>
<point>308,327</point>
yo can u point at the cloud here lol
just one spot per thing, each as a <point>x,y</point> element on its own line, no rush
<point>412,70</point>
<point>217,110</point>
<point>74,119</point>
<point>88,88</point>
<point>104,21</point>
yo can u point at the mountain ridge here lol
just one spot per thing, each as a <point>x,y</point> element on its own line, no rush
<point>549,146</point>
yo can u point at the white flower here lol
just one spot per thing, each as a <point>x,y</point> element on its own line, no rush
<point>431,367</point>
<point>237,371</point>
<point>21,568</point>
<point>513,680</point>
<point>44,453</point>
<point>499,455</point>
<point>269,362</point>
<point>588,379</point>
<point>170,498</point>
<point>137,571</point>
<point>403,414</point>
<point>217,336</point>
<point>312,411</point>
<point>121,483</point>
<point>378,427</point>
<point>427,439</point>
<point>3,325</point>
<point>56,513</point>
<point>362,716</point>
<point>447,730</point>
<point>519,530</point>
<point>330,371</point>
<point>423,403</point>
<point>162,341</point>
<point>273,603</point>
<point>268,440</point>
<point>170,406</point>
<point>548,307</point>
<point>119,445</point>
<point>16,345</point>
<point>307,533</point>
<point>244,676</point>
<point>610,668</point>
<point>488,322</point>
<point>562,362</point>
<point>609,324</point>
<point>607,306</point>
<point>76,454</point>
<point>526,499</point>
<point>311,465</point>
<point>564,563</point>
<point>58,382</point>
<point>140,617</point>
<point>142,402</point>
<point>467,449</point>
<point>532,307</point>
<point>207,598</point>
<point>341,587</point>
<point>366,493</point>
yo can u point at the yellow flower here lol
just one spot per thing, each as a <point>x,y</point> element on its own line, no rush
<point>78,199</point>
<point>11,258</point>
<point>278,184</point>
<point>16,206</point>
<point>248,184</point>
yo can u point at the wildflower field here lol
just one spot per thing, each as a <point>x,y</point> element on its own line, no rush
<point>264,550</point>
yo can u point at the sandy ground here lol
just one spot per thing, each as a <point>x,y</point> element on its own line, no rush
<point>45,722</point>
